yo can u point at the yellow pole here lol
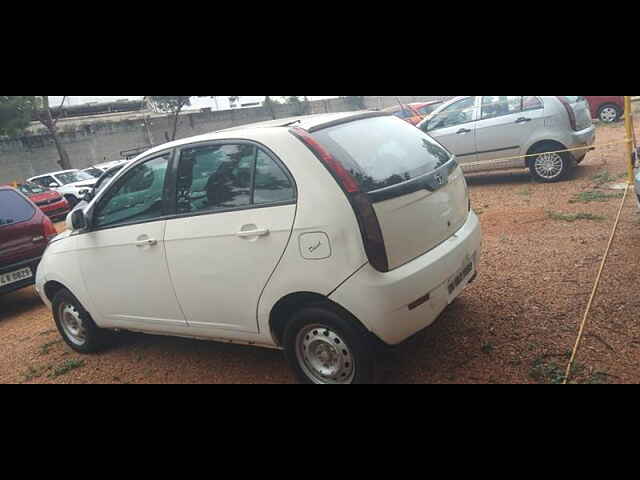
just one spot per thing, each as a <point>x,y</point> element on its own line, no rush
<point>628,121</point>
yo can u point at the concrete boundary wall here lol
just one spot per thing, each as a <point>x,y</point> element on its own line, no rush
<point>97,139</point>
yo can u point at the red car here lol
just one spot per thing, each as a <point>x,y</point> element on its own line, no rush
<point>426,108</point>
<point>50,202</point>
<point>24,234</point>
<point>607,109</point>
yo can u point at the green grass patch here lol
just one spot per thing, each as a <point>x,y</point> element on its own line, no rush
<point>44,349</point>
<point>594,196</point>
<point>66,367</point>
<point>546,372</point>
<point>572,217</point>
<point>603,177</point>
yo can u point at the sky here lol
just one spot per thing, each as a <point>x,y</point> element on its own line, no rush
<point>198,103</point>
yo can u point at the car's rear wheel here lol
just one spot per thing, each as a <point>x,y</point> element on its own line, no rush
<point>76,326</point>
<point>550,166</point>
<point>325,346</point>
<point>609,113</point>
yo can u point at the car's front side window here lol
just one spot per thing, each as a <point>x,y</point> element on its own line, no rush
<point>45,181</point>
<point>457,113</point>
<point>137,197</point>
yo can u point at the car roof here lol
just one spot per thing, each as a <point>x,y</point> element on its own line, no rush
<point>307,122</point>
<point>422,104</point>
<point>53,173</point>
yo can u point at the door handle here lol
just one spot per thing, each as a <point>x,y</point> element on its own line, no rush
<point>253,233</point>
<point>149,242</point>
<point>523,119</point>
<point>463,130</point>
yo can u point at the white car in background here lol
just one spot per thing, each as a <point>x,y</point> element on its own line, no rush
<point>101,168</point>
<point>502,132</point>
<point>324,236</point>
<point>71,184</point>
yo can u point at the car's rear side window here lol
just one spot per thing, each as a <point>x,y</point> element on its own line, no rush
<point>380,152</point>
<point>14,208</point>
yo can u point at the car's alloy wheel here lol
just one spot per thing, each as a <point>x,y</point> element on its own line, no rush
<point>549,166</point>
<point>324,356</point>
<point>609,114</point>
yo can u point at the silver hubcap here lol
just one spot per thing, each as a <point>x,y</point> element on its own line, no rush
<point>549,165</point>
<point>324,356</point>
<point>72,324</point>
<point>608,114</point>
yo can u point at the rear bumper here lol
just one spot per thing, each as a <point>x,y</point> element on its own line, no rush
<point>31,263</point>
<point>397,304</point>
<point>583,138</point>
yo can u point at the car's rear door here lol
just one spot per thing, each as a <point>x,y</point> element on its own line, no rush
<point>20,239</point>
<point>235,205</point>
<point>506,123</point>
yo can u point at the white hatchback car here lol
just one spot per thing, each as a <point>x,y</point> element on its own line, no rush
<point>324,236</point>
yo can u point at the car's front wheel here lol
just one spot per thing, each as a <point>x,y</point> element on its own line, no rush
<point>76,326</point>
<point>550,166</point>
<point>609,114</point>
<point>326,346</point>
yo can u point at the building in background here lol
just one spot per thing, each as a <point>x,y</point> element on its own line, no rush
<point>197,103</point>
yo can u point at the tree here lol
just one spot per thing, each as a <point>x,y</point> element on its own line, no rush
<point>15,114</point>
<point>356,102</point>
<point>49,118</point>
<point>172,105</point>
<point>302,106</point>
<point>269,105</point>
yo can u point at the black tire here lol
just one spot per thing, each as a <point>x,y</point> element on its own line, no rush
<point>95,339</point>
<point>358,357</point>
<point>607,118</point>
<point>565,164</point>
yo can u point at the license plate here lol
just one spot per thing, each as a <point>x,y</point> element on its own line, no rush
<point>14,277</point>
<point>460,276</point>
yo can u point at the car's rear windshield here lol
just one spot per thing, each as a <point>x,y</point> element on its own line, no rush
<point>14,208</point>
<point>382,151</point>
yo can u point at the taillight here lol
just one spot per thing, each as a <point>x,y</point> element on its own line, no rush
<point>572,114</point>
<point>365,214</point>
<point>49,229</point>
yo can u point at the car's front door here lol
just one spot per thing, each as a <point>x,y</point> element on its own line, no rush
<point>504,127</point>
<point>235,207</point>
<point>122,258</point>
<point>454,127</point>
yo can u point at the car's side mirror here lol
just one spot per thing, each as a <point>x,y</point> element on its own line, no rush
<point>53,185</point>
<point>78,220</point>
<point>88,196</point>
